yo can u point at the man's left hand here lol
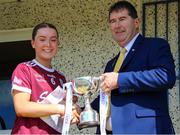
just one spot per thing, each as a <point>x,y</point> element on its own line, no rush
<point>109,81</point>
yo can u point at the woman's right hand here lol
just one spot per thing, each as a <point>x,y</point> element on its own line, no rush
<point>76,110</point>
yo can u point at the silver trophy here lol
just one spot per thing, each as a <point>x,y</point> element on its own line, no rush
<point>86,87</point>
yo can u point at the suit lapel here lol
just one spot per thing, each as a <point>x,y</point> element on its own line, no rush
<point>132,51</point>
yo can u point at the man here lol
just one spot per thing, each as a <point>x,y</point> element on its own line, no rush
<point>139,87</point>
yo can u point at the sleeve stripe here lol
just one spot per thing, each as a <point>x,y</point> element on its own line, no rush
<point>20,88</point>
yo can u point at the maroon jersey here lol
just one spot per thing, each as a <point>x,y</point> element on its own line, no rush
<point>39,81</point>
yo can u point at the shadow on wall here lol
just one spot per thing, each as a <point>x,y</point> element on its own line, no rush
<point>7,113</point>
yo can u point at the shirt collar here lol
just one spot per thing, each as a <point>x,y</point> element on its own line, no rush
<point>130,44</point>
<point>42,66</point>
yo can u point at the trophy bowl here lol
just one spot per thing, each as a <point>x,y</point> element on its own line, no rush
<point>86,86</point>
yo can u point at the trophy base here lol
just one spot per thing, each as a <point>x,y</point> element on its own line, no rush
<point>88,118</point>
<point>88,124</point>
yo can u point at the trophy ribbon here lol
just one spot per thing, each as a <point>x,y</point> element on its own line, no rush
<point>54,97</point>
<point>103,111</point>
<point>68,110</point>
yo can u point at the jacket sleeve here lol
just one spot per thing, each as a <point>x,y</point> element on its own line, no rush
<point>149,80</point>
<point>159,74</point>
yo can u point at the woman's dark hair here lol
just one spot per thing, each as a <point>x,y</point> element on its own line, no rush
<point>124,5</point>
<point>43,25</point>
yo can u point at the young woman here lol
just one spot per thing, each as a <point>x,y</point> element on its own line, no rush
<point>32,81</point>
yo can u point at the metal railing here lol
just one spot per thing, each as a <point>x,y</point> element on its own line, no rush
<point>155,5</point>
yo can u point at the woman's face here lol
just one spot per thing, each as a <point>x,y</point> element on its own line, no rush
<point>45,44</point>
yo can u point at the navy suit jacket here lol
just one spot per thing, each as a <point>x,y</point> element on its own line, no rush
<point>140,104</point>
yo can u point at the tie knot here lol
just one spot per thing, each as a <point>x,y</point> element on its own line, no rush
<point>123,51</point>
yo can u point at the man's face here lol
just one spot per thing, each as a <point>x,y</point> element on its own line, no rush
<point>123,26</point>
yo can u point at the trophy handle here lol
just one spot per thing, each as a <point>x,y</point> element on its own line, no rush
<point>96,81</point>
